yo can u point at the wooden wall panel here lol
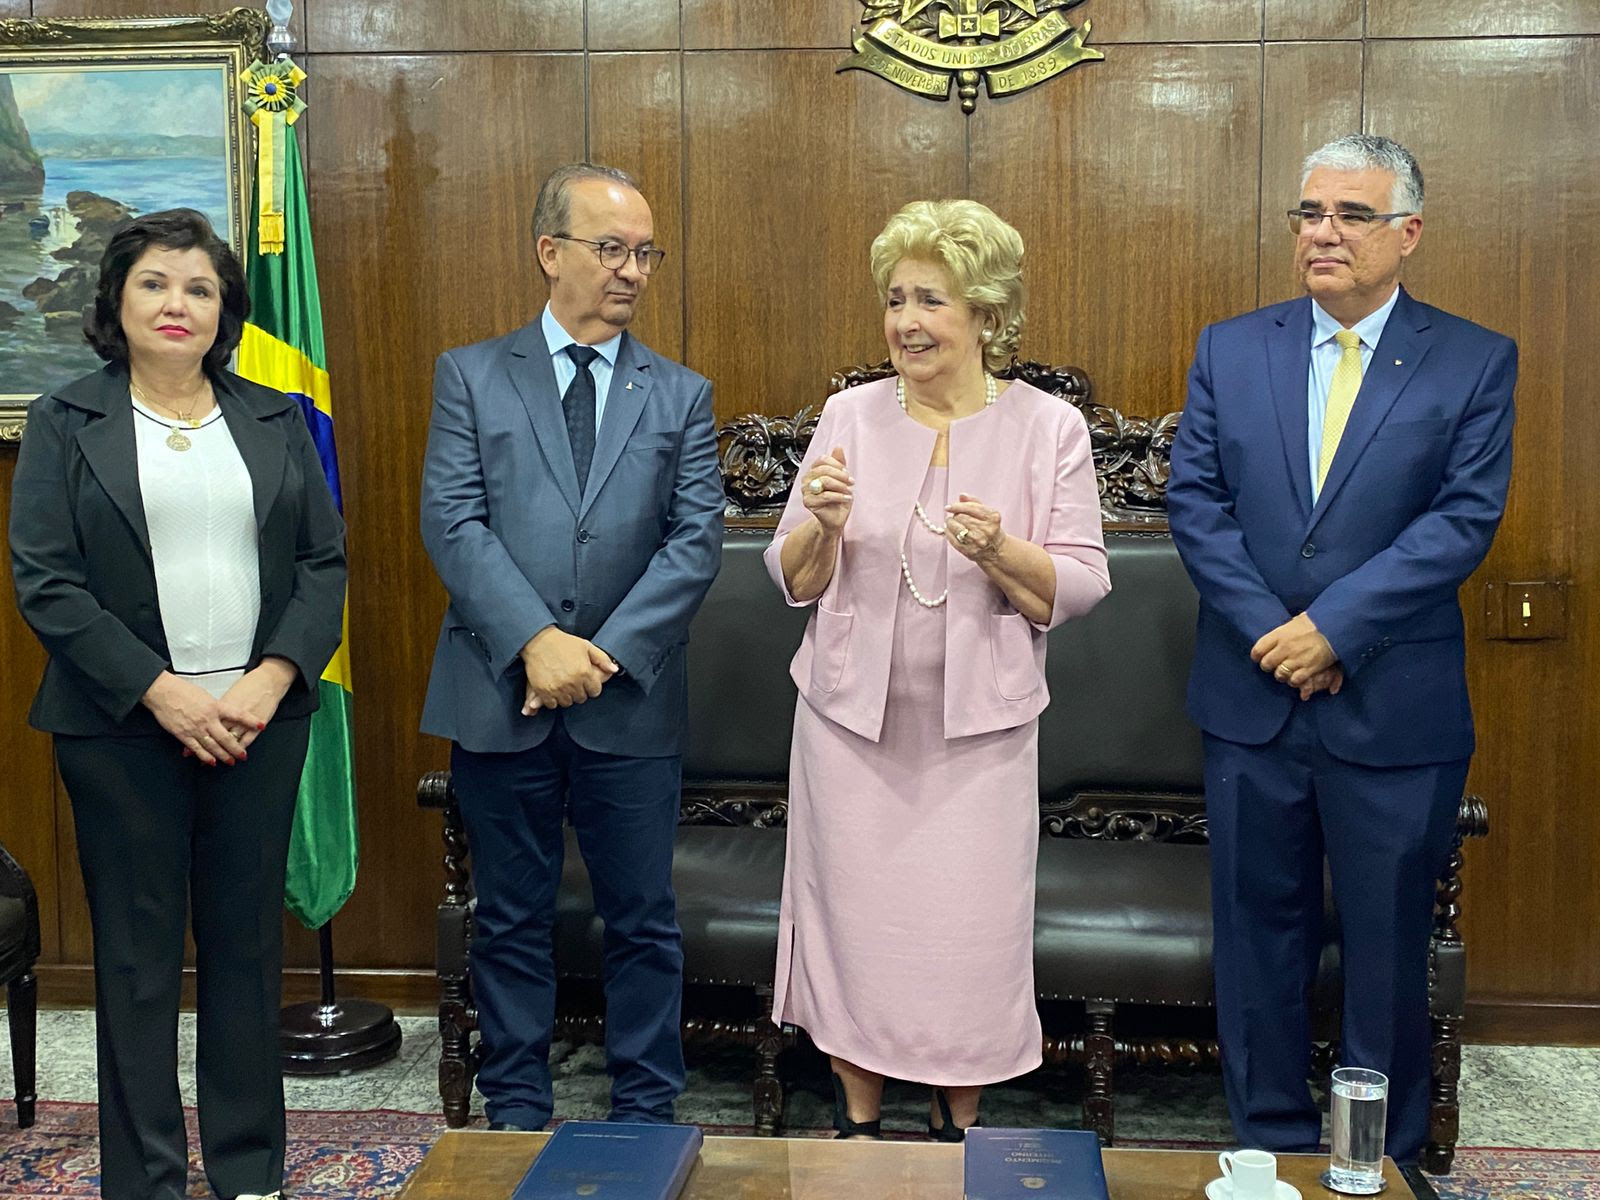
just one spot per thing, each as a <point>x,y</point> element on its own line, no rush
<point>1510,240</point>
<point>1135,240</point>
<point>1120,21</point>
<point>632,25</point>
<point>424,244</point>
<point>717,24</point>
<point>27,798</point>
<point>779,292</point>
<point>426,25</point>
<point>1480,18</point>
<point>1295,19</point>
<point>1312,95</point>
<point>636,122</point>
<point>15,9</point>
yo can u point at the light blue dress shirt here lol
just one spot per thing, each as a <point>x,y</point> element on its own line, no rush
<point>558,339</point>
<point>1324,358</point>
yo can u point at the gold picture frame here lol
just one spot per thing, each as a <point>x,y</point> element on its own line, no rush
<point>99,118</point>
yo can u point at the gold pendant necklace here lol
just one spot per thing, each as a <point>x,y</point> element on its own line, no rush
<point>175,439</point>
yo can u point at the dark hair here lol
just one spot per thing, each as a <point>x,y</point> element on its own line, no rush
<point>171,229</point>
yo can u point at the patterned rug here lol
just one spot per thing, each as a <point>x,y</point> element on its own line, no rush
<point>366,1155</point>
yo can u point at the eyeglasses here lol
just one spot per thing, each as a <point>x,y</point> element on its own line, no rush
<point>1351,225</point>
<point>614,255</point>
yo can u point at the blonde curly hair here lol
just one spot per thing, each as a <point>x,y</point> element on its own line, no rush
<point>979,251</point>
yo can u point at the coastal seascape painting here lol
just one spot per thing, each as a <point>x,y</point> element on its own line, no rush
<point>88,136</point>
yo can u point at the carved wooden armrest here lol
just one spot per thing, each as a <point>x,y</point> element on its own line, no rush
<point>760,454</point>
<point>1472,821</point>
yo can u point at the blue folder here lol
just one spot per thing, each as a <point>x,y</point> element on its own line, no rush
<point>1033,1164</point>
<point>612,1160</point>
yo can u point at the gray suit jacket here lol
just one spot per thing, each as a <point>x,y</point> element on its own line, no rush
<point>81,562</point>
<point>626,564</point>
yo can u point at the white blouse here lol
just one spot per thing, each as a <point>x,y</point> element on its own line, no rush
<point>200,510</point>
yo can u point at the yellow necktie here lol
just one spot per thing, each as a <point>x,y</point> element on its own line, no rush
<point>1341,399</point>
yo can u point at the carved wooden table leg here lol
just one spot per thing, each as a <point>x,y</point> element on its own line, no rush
<point>1099,1058</point>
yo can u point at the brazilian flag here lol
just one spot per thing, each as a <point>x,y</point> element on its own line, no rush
<point>283,348</point>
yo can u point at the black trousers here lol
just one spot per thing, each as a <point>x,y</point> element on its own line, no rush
<point>154,830</point>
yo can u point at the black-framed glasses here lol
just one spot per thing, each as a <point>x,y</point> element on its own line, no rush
<point>613,255</point>
<point>1350,225</point>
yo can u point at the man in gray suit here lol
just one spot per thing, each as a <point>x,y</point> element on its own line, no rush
<point>572,505</point>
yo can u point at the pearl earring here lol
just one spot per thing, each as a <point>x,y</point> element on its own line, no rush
<point>987,335</point>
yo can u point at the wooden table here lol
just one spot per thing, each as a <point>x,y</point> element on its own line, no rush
<point>487,1166</point>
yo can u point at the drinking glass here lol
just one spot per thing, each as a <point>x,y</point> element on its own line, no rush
<point>1360,1103</point>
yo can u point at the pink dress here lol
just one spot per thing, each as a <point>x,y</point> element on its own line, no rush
<point>905,939</point>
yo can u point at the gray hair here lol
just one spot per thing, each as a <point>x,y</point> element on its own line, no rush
<point>1368,152</point>
<point>552,211</point>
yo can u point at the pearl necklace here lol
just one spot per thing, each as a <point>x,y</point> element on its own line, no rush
<point>990,390</point>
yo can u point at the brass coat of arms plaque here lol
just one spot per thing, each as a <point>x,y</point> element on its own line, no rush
<point>1011,45</point>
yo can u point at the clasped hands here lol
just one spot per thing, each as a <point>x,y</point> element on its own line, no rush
<point>562,669</point>
<point>213,729</point>
<point>828,492</point>
<point>1296,654</point>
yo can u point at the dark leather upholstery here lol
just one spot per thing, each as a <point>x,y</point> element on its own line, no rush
<point>1117,680</point>
<point>741,699</point>
<point>1116,677</point>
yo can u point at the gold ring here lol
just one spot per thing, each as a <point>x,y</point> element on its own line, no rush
<point>1284,672</point>
<point>815,486</point>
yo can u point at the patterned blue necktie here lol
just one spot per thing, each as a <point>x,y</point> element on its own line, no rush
<point>578,407</point>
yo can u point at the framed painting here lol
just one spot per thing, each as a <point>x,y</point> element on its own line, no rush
<point>101,119</point>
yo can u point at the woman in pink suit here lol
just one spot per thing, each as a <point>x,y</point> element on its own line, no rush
<point>947,520</point>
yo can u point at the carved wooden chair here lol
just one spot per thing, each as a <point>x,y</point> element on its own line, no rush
<point>19,950</point>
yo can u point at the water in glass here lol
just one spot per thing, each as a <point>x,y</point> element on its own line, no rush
<point>1360,1107</point>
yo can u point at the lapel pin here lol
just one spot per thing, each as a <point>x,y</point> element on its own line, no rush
<point>628,387</point>
<point>1398,363</point>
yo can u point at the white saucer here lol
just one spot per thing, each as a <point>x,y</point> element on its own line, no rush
<point>1221,1188</point>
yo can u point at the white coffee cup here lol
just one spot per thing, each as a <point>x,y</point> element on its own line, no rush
<point>1252,1173</point>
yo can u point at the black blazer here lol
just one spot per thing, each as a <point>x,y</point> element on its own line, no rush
<point>82,566</point>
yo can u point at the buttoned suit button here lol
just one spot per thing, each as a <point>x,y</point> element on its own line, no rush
<point>567,606</point>
<point>583,535</point>
<point>1308,550</point>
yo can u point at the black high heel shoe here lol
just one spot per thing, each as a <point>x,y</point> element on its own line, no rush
<point>949,1131</point>
<point>843,1125</point>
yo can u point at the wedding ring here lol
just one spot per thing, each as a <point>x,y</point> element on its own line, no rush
<point>1284,672</point>
<point>961,536</point>
<point>815,486</point>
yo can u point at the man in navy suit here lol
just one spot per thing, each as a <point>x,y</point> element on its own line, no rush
<point>1339,471</point>
<point>572,505</point>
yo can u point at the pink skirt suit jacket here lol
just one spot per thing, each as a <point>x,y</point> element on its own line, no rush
<point>907,914</point>
<point>1030,458</point>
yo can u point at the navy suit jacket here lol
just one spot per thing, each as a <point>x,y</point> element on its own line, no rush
<point>1411,502</point>
<point>625,564</point>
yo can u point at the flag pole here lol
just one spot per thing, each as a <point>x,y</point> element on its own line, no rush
<point>331,1036</point>
<point>327,1036</point>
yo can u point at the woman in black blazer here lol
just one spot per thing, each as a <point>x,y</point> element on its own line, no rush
<point>177,551</point>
